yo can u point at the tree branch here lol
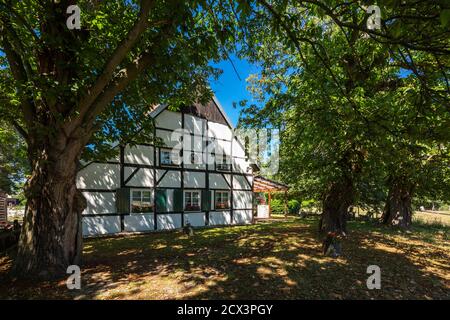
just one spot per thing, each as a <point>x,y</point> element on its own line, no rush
<point>20,76</point>
<point>116,58</point>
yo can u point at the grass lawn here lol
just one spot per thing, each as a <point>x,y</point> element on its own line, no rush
<point>276,260</point>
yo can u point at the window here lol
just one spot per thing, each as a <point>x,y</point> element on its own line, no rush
<point>222,200</point>
<point>141,201</point>
<point>165,157</point>
<point>192,200</point>
<point>225,164</point>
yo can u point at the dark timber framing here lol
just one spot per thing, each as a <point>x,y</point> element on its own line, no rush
<point>208,170</point>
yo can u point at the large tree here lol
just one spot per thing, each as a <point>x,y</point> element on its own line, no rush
<point>347,96</point>
<point>66,89</point>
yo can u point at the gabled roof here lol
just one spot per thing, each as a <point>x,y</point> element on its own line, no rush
<point>214,102</point>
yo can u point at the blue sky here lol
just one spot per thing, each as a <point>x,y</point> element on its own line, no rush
<point>228,88</point>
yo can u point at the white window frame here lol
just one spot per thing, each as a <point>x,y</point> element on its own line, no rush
<point>170,157</point>
<point>228,197</point>
<point>152,200</point>
<point>199,200</point>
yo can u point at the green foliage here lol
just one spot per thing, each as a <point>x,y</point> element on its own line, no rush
<point>13,159</point>
<point>349,105</point>
<point>293,206</point>
<point>277,206</point>
<point>62,67</point>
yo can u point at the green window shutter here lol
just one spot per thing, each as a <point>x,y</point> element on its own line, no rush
<point>123,200</point>
<point>178,200</point>
<point>161,200</point>
<point>206,200</point>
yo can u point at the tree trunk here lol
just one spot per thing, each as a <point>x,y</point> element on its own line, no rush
<point>398,209</point>
<point>334,215</point>
<point>51,237</point>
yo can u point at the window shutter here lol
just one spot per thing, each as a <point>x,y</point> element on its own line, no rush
<point>161,200</point>
<point>123,200</point>
<point>178,200</point>
<point>206,196</point>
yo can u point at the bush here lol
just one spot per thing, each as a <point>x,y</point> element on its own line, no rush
<point>293,206</point>
<point>277,206</point>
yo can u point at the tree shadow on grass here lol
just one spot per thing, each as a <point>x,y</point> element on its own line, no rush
<point>273,261</point>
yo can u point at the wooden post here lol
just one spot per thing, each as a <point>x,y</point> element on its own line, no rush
<point>270,207</point>
<point>3,208</point>
<point>285,203</point>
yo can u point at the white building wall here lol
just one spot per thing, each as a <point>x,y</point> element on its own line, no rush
<point>172,179</point>
<point>142,178</point>
<point>219,130</point>
<point>139,222</point>
<point>219,218</point>
<point>196,219</point>
<point>138,155</point>
<point>93,226</point>
<point>194,179</point>
<point>168,120</point>
<point>100,202</point>
<point>217,181</point>
<point>194,125</point>
<point>242,199</point>
<point>168,221</point>
<point>241,182</point>
<point>99,176</point>
<point>242,216</point>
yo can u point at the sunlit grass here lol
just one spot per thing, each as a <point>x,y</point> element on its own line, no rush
<point>280,260</point>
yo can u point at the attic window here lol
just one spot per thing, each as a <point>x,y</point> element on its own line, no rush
<point>166,159</point>
<point>225,164</point>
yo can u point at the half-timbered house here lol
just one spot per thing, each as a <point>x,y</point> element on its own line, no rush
<point>151,187</point>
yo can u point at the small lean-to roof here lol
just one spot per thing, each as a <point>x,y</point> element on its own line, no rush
<point>261,184</point>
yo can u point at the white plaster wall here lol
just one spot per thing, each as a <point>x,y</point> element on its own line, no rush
<point>240,182</point>
<point>217,181</point>
<point>170,139</point>
<point>194,124</point>
<point>240,165</point>
<point>219,130</point>
<point>100,202</point>
<point>242,199</point>
<point>224,146</point>
<point>99,176</point>
<point>194,179</point>
<point>142,178</point>
<point>238,150</point>
<point>242,216</point>
<point>196,219</point>
<point>139,222</point>
<point>219,218</point>
<point>168,221</point>
<point>168,120</point>
<point>193,143</point>
<point>138,155</point>
<point>100,225</point>
<point>172,179</point>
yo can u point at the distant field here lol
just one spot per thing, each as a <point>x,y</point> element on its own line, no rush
<point>432,217</point>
